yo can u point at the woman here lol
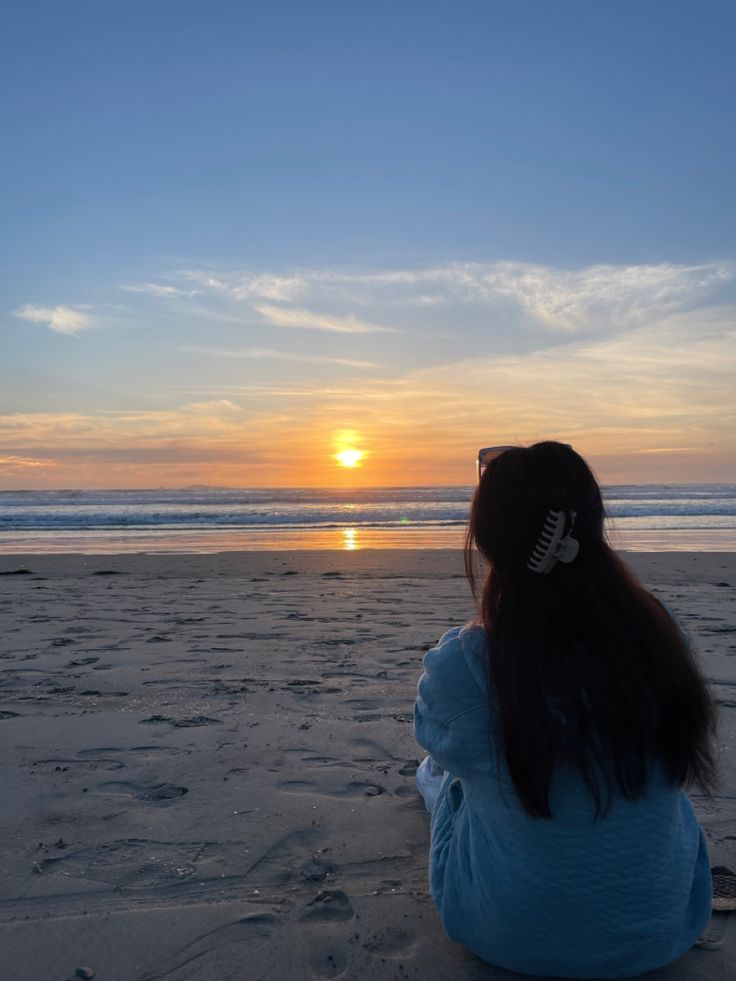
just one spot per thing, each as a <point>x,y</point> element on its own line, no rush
<point>567,720</point>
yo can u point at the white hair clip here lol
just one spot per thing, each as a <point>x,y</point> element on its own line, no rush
<point>553,545</point>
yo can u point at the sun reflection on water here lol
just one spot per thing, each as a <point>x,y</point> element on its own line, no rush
<point>349,538</point>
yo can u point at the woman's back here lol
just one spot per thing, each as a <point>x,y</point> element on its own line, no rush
<point>568,721</point>
<point>577,894</point>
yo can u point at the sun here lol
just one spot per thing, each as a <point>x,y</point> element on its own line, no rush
<point>349,458</point>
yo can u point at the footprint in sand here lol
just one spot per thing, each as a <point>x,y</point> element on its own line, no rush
<point>159,793</point>
<point>90,763</point>
<point>138,752</point>
<point>328,906</point>
<point>326,957</point>
<point>197,720</point>
<point>312,759</point>
<point>353,789</point>
<point>148,863</point>
<point>214,953</point>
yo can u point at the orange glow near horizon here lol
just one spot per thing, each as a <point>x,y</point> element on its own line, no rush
<point>421,429</point>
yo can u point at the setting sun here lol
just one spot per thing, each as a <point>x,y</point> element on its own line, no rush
<point>349,458</point>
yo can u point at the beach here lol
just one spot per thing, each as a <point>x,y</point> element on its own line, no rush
<point>208,761</point>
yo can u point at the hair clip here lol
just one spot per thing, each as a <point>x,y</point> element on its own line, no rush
<point>553,545</point>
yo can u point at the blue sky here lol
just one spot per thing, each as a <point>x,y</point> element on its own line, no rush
<point>216,205</point>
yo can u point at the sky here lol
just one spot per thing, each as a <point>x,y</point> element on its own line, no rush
<point>238,238</point>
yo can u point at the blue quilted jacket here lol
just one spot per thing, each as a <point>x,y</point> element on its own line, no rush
<point>568,896</point>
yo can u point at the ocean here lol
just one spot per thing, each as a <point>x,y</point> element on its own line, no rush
<point>649,517</point>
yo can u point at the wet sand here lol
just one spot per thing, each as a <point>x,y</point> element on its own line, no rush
<point>208,762</point>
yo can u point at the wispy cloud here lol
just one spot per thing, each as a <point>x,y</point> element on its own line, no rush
<point>62,320</point>
<point>186,444</point>
<point>294,317</point>
<point>246,286</point>
<point>214,406</point>
<point>259,352</point>
<point>157,289</point>
<point>11,466</point>
<point>594,298</point>
<point>567,300</point>
<point>306,392</point>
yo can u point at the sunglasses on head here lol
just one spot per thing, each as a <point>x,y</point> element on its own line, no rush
<point>487,455</point>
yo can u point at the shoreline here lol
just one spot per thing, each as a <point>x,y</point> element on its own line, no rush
<point>433,562</point>
<point>345,539</point>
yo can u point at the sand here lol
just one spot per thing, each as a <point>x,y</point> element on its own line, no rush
<point>208,762</point>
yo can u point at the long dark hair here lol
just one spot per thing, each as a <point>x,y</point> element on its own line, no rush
<point>589,669</point>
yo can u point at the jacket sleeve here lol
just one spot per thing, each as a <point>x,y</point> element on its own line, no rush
<point>451,713</point>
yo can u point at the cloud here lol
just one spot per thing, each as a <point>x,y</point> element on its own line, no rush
<point>596,296</point>
<point>131,448</point>
<point>63,320</point>
<point>246,286</point>
<point>13,465</point>
<point>157,289</point>
<point>567,300</point>
<point>216,405</point>
<point>599,297</point>
<point>292,317</point>
<point>258,352</point>
<point>309,392</point>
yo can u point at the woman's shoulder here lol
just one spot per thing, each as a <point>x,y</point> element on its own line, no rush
<point>471,632</point>
<point>460,654</point>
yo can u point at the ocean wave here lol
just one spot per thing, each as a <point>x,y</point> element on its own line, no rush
<point>196,508</point>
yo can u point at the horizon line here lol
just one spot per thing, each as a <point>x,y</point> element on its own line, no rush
<point>239,487</point>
